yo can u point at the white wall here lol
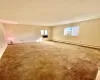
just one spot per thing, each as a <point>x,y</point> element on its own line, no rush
<point>89,33</point>
<point>27,33</point>
<point>3,43</point>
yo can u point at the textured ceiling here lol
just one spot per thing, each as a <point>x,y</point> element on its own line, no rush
<point>48,12</point>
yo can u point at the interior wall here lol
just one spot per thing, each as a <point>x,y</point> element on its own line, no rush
<point>27,33</point>
<point>3,43</point>
<point>89,34</point>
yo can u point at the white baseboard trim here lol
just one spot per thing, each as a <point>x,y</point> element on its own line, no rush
<point>79,44</point>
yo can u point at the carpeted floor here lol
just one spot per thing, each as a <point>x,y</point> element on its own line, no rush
<point>49,61</point>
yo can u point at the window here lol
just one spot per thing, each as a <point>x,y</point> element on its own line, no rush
<point>71,31</point>
<point>68,31</point>
<point>44,33</point>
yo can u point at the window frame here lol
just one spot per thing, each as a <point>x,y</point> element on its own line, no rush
<point>45,33</point>
<point>71,31</point>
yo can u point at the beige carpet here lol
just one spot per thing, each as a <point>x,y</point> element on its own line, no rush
<point>49,61</point>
